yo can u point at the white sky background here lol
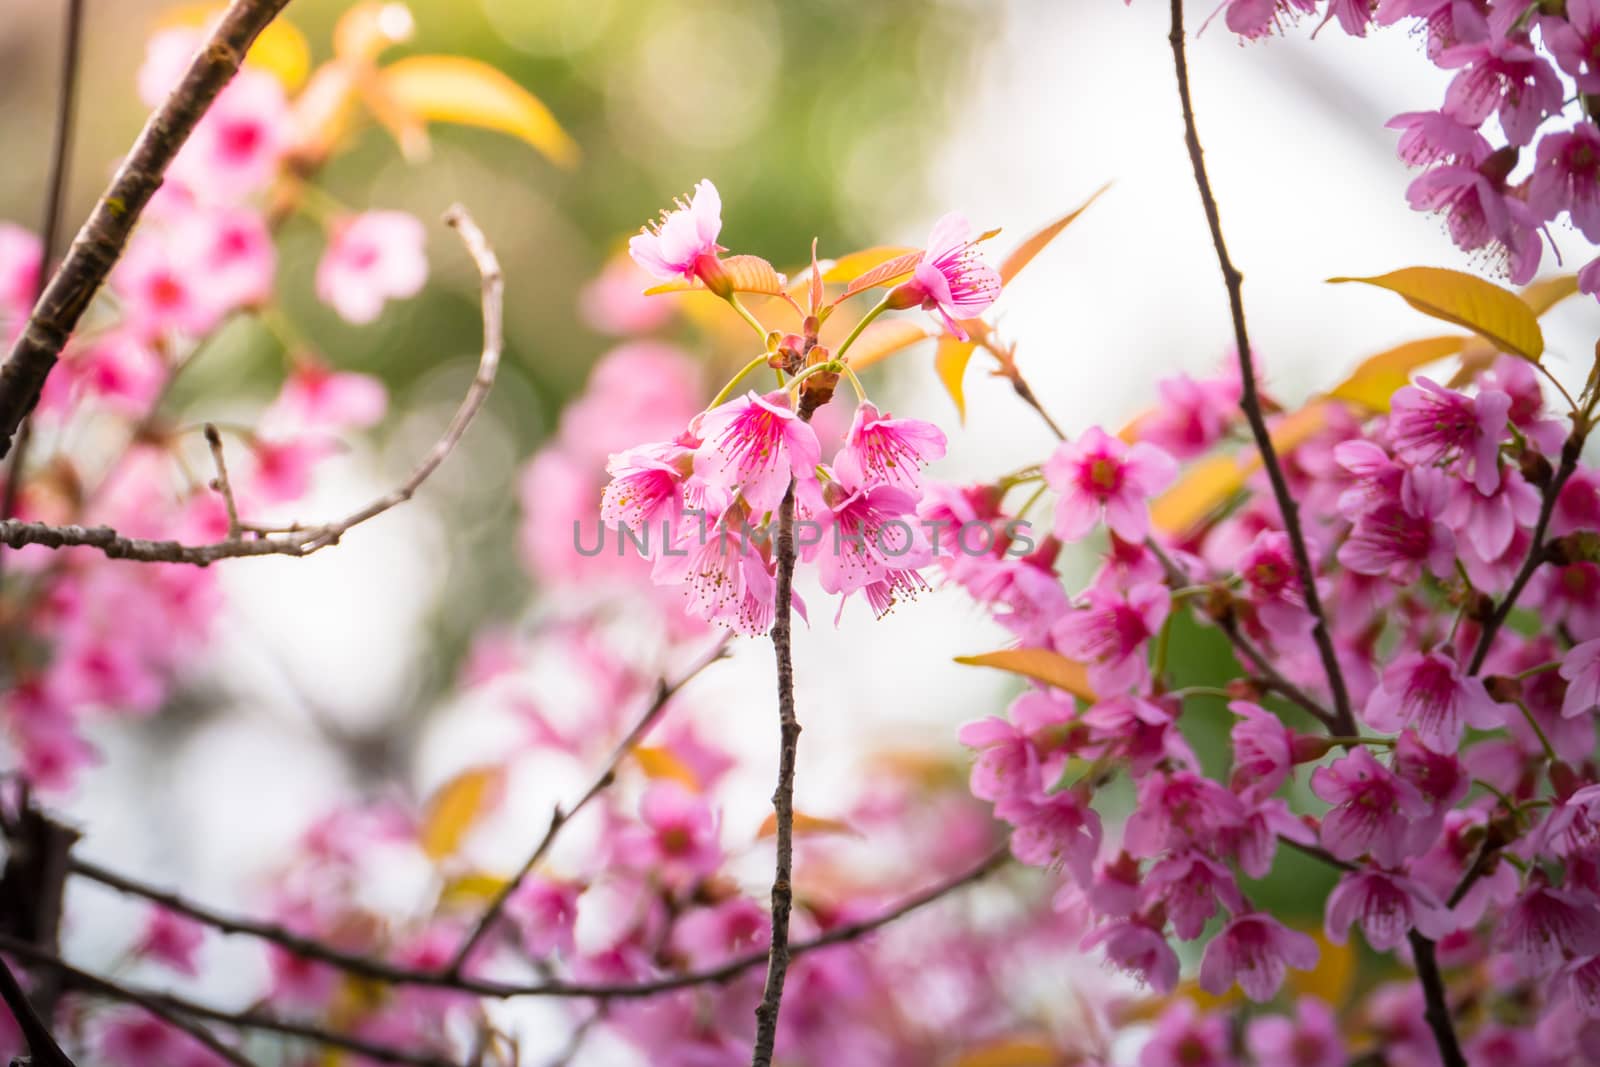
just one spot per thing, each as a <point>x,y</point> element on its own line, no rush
<point>1076,93</point>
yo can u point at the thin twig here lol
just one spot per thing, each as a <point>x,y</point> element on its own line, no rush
<point>42,1048</point>
<point>303,541</point>
<point>1250,401</point>
<point>221,483</point>
<point>100,242</point>
<point>783,796</point>
<point>664,693</point>
<point>172,1009</point>
<point>1437,1011</point>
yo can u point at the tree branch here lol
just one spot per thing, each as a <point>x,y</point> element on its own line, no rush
<point>42,1048</point>
<point>1438,1009</point>
<point>665,691</point>
<point>783,796</point>
<point>298,540</point>
<point>1249,399</point>
<point>100,242</point>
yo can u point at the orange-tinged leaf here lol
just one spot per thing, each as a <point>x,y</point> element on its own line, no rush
<point>662,764</point>
<point>457,806</point>
<point>1496,313</point>
<point>1331,979</point>
<point>1041,665</point>
<point>1375,380</point>
<point>1009,1052</point>
<point>1023,254</point>
<point>883,339</point>
<point>469,92</point>
<point>280,49</point>
<point>950,361</point>
<point>472,888</point>
<point>1546,293</point>
<point>1203,488</point>
<point>806,826</point>
<point>885,273</point>
<point>852,266</point>
<point>748,274</point>
<point>366,29</point>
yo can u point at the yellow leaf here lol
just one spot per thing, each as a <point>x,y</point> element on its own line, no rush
<point>1478,355</point>
<point>1203,488</point>
<point>950,361</point>
<point>886,273</point>
<point>883,339</point>
<point>660,763</point>
<point>457,806</point>
<point>1041,665</point>
<point>1024,253</point>
<point>460,90</point>
<point>856,264</point>
<point>280,49</point>
<point>748,274</point>
<point>806,826</point>
<point>1333,975</point>
<point>1496,313</point>
<point>1373,382</point>
<point>472,888</point>
<point>366,29</point>
<point>1009,1052</point>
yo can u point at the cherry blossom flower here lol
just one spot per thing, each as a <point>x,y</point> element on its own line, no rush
<point>1573,41</point>
<point>1428,692</point>
<point>1099,477</point>
<point>1137,949</point>
<point>1110,633</point>
<point>1387,906</point>
<point>1185,1038</point>
<point>173,940</point>
<point>1311,1039</point>
<point>1372,809</point>
<point>756,445</point>
<point>371,258</point>
<point>1433,425</point>
<point>1581,669</point>
<point>880,448</point>
<point>952,278</point>
<point>683,244</point>
<point>679,837</point>
<point>1256,951</point>
<point>1566,177</point>
<point>1546,926</point>
<point>1263,751</point>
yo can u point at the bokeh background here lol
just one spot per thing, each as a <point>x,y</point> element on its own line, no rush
<point>854,122</point>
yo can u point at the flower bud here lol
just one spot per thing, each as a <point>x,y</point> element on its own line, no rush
<point>1309,747</point>
<point>708,268</point>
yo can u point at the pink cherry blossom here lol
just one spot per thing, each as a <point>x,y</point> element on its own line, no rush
<point>1400,538</point>
<point>1504,74</point>
<point>1056,830</point>
<point>1185,1038</point>
<point>1567,178</point>
<point>952,278</point>
<point>371,258</point>
<point>1263,751</point>
<point>646,488</point>
<point>1387,906</point>
<point>1139,950</point>
<point>545,911</point>
<point>1481,214</point>
<point>725,579</point>
<point>679,245</point>
<point>880,448</point>
<point>1428,692</point>
<point>1178,809</point>
<point>1311,1039</point>
<point>1546,926</point>
<point>173,940</point>
<point>1372,809</point>
<point>1007,761</point>
<point>1430,137</point>
<point>1581,669</point>
<point>235,149</point>
<point>866,537</point>
<point>317,396</point>
<point>1099,477</point>
<point>1189,886</point>
<point>1433,425</point>
<point>679,837</point>
<point>1110,634</point>
<point>1575,42</point>
<point>1256,951</point>
<point>755,445</point>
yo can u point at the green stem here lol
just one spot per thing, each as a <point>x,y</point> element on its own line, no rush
<point>855,383</point>
<point>830,367</point>
<point>727,390</point>
<point>877,309</point>
<point>744,313</point>
<point>1544,742</point>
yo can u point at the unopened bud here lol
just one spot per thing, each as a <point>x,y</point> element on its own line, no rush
<point>1308,747</point>
<point>909,295</point>
<point>1503,689</point>
<point>1535,468</point>
<point>708,268</point>
<point>1499,165</point>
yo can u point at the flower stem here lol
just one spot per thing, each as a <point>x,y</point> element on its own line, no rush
<point>866,320</point>
<point>855,383</point>
<point>744,313</point>
<point>1544,742</point>
<point>733,383</point>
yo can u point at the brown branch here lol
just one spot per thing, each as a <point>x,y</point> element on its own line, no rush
<point>42,1048</point>
<point>171,1008</point>
<point>221,483</point>
<point>1249,400</point>
<point>1438,1009</point>
<point>100,242</point>
<point>1538,551</point>
<point>303,541</point>
<point>783,796</point>
<point>393,974</point>
<point>665,691</point>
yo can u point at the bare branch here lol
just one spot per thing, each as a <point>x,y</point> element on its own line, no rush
<point>220,483</point>
<point>1250,401</point>
<point>42,1048</point>
<point>303,541</point>
<point>100,242</point>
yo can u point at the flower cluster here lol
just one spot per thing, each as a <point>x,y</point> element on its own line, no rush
<point>1454,805</point>
<point>106,447</point>
<point>704,504</point>
<point>1531,67</point>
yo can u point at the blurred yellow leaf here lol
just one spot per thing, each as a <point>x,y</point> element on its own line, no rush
<point>950,361</point>
<point>1024,253</point>
<point>749,274</point>
<point>474,887</point>
<point>660,763</point>
<point>366,29</point>
<point>1332,977</point>
<point>1374,381</point>
<point>457,806</point>
<point>466,91</point>
<point>1041,665</point>
<point>1203,488</point>
<point>1496,313</point>
<point>1009,1052</point>
<point>856,264</point>
<point>886,273</point>
<point>883,339</point>
<point>806,826</point>
<point>280,49</point>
